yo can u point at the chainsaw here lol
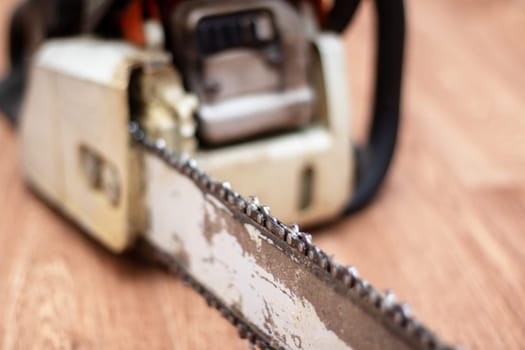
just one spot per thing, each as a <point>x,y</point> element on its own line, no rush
<point>161,126</point>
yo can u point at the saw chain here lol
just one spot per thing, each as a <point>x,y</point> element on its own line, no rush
<point>389,323</point>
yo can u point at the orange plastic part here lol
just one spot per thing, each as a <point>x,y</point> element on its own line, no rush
<point>132,23</point>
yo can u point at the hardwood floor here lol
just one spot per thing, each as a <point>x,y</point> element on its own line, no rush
<point>447,232</point>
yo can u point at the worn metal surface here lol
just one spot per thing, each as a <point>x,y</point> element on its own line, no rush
<point>266,276</point>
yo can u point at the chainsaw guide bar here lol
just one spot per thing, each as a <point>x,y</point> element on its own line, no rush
<point>265,277</point>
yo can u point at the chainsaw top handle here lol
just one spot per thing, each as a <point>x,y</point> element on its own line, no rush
<point>374,157</point>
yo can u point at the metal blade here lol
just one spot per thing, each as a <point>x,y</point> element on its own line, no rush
<point>267,276</point>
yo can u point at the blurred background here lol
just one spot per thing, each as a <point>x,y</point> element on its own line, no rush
<point>447,232</point>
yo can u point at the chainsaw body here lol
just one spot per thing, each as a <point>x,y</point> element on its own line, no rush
<point>264,107</point>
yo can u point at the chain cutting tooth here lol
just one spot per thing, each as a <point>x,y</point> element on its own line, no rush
<point>223,188</point>
<point>294,238</point>
<point>213,186</point>
<point>308,238</point>
<point>401,313</point>
<point>412,327</point>
<point>136,132</point>
<point>183,159</point>
<point>270,224</point>
<point>278,228</point>
<point>224,312</point>
<point>204,181</point>
<point>405,309</point>
<point>290,238</point>
<point>323,261</point>
<point>253,210</point>
<point>242,330</point>
<point>302,240</point>
<point>388,301</point>
<point>312,253</point>
<point>140,136</point>
<point>253,205</point>
<point>160,145</point>
<point>190,168</point>
<point>191,163</point>
<point>251,337</point>
<point>230,196</point>
<point>265,210</point>
<point>240,204</point>
<point>361,287</point>
<point>211,301</point>
<point>195,174</point>
<point>398,317</point>
<point>373,296</point>
<point>350,276</point>
<point>291,234</point>
<point>261,344</point>
<point>335,269</point>
<point>133,127</point>
<point>258,217</point>
<point>302,244</point>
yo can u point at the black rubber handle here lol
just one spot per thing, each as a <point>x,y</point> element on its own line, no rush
<point>11,91</point>
<point>373,159</point>
<point>32,22</point>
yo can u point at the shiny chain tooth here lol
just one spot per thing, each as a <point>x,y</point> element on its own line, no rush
<point>301,242</point>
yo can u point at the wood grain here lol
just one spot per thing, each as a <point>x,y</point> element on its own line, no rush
<point>447,233</point>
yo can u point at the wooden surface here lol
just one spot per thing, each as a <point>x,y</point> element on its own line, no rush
<point>447,233</point>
